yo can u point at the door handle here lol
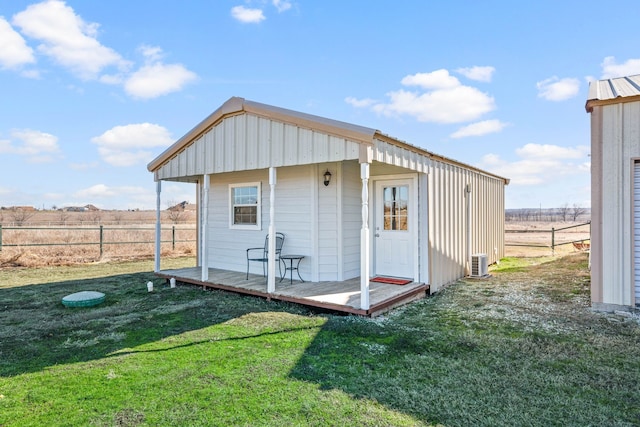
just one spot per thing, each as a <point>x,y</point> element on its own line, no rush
<point>377,234</point>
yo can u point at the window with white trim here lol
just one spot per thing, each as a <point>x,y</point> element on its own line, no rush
<point>244,202</point>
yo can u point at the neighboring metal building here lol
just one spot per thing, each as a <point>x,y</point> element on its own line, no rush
<point>445,211</point>
<point>614,105</point>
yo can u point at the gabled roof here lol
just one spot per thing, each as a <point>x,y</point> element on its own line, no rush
<point>236,105</point>
<point>613,91</point>
<point>351,133</point>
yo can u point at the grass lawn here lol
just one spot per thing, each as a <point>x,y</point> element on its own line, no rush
<point>519,348</point>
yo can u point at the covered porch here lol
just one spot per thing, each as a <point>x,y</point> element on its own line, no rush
<point>338,296</point>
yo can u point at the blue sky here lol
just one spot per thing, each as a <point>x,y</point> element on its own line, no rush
<point>91,90</point>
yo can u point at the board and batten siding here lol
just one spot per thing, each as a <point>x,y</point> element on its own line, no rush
<point>249,142</point>
<point>447,205</point>
<point>615,147</point>
<point>351,219</point>
<point>293,212</point>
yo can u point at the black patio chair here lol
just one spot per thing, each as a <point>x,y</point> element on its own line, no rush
<point>262,254</point>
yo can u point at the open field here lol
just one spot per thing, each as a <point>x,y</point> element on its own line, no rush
<point>519,348</point>
<point>66,238</point>
<point>95,217</point>
<point>83,229</point>
<point>534,238</point>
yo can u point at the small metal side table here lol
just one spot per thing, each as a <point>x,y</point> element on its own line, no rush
<point>291,259</point>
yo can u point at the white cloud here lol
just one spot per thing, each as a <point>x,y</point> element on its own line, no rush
<point>129,145</point>
<point>151,53</point>
<point>611,69</point>
<point>36,146</point>
<point>480,128</point>
<point>67,39</point>
<point>481,74</point>
<point>439,79</point>
<point>72,43</point>
<point>14,51</point>
<point>282,5</point>
<point>154,80</point>
<point>444,100</point>
<point>455,105</point>
<point>556,89</point>
<point>246,15</point>
<point>540,164</point>
<point>360,103</point>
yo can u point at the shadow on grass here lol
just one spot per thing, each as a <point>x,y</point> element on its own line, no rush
<point>38,331</point>
<point>441,361</point>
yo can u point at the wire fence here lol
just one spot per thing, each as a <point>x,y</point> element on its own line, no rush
<point>577,235</point>
<point>100,236</point>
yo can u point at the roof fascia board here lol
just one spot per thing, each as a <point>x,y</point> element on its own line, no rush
<point>599,102</point>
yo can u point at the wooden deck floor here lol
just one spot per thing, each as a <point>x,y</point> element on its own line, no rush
<point>337,296</point>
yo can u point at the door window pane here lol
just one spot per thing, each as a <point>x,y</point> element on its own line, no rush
<point>395,201</point>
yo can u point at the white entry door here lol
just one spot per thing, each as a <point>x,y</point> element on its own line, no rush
<point>393,234</point>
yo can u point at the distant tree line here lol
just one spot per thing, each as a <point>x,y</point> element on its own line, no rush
<point>564,213</point>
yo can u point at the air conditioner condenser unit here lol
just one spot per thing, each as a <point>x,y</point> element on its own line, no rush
<point>479,265</point>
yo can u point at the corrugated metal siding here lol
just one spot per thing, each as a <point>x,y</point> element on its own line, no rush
<point>324,222</point>
<point>448,220</point>
<point>398,156</point>
<point>332,246</point>
<point>248,142</point>
<point>636,231</point>
<point>621,144</point>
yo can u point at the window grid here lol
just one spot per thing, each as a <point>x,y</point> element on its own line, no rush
<point>396,199</point>
<point>245,205</point>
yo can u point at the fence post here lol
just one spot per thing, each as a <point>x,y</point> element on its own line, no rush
<point>101,240</point>
<point>173,237</point>
<point>553,241</point>
<point>0,237</point>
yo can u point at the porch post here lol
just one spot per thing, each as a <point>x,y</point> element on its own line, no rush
<point>156,267</point>
<point>364,239</point>
<point>203,229</point>
<point>271,263</point>
<point>469,261</point>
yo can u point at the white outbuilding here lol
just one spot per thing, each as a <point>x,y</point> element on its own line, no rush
<point>614,105</point>
<point>354,203</point>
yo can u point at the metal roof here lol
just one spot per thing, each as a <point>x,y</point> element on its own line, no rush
<point>611,91</point>
<point>352,132</point>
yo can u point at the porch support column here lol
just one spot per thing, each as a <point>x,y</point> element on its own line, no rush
<point>469,261</point>
<point>203,228</point>
<point>271,262</point>
<point>364,239</point>
<point>156,267</point>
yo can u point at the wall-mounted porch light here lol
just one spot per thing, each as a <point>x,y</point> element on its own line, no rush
<point>327,178</point>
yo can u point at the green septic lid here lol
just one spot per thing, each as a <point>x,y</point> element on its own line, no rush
<point>83,299</point>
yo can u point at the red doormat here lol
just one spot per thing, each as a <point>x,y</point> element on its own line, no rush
<point>390,280</point>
